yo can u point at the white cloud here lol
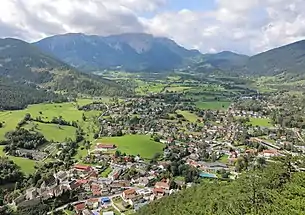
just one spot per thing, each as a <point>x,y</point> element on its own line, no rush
<point>247,26</point>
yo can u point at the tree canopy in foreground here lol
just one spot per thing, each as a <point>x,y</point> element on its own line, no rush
<point>276,189</point>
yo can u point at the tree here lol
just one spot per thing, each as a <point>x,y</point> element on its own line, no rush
<point>84,117</point>
<point>95,136</point>
<point>261,162</point>
<point>117,154</point>
<point>27,117</point>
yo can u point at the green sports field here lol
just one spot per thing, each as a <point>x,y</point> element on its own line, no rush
<point>135,144</point>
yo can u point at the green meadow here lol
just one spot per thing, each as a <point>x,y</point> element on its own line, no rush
<point>134,145</point>
<point>188,115</point>
<point>47,112</point>
<point>52,131</point>
<point>260,122</point>
<point>217,105</point>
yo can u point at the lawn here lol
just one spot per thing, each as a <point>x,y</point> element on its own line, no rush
<point>53,132</point>
<point>135,144</point>
<point>213,105</point>
<point>26,165</point>
<point>106,172</point>
<point>260,122</point>
<point>188,115</point>
<point>224,159</point>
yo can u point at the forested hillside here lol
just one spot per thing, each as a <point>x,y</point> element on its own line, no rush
<point>16,95</point>
<point>24,63</point>
<point>277,189</point>
<point>288,59</point>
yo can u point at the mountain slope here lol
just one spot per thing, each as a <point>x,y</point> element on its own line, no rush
<point>134,52</point>
<point>289,58</point>
<point>16,95</point>
<point>226,60</point>
<point>25,63</point>
<point>223,61</point>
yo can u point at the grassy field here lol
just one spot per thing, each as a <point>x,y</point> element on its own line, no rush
<point>52,131</point>
<point>68,111</point>
<point>188,115</point>
<point>260,122</point>
<point>147,87</point>
<point>213,105</point>
<point>26,165</point>
<point>135,144</point>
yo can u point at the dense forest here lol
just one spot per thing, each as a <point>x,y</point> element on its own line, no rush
<point>74,83</point>
<point>16,95</point>
<point>275,189</point>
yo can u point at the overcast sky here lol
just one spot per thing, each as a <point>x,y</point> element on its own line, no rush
<point>244,26</point>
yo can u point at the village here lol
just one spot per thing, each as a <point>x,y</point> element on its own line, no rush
<point>218,145</point>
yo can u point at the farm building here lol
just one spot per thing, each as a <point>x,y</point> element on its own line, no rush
<point>105,147</point>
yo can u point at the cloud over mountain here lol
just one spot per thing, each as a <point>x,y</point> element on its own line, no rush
<point>246,26</point>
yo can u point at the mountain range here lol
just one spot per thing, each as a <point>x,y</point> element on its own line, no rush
<point>63,63</point>
<point>145,52</point>
<point>131,52</point>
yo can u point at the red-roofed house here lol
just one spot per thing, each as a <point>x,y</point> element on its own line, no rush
<point>83,168</point>
<point>158,191</point>
<point>162,185</point>
<point>129,194</point>
<point>96,192</point>
<point>80,207</point>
